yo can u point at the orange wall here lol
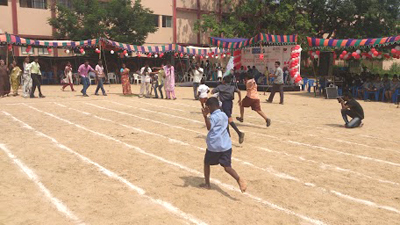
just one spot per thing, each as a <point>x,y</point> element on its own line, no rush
<point>185,27</point>
<point>34,21</point>
<point>160,7</point>
<point>190,4</point>
<point>6,18</point>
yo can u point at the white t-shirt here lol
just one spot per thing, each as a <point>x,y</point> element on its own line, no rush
<point>198,75</point>
<point>203,89</point>
<point>145,76</point>
<point>219,73</point>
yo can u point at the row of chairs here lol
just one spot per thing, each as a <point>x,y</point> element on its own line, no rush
<point>377,93</point>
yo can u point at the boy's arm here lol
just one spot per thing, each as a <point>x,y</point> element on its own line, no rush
<point>205,112</point>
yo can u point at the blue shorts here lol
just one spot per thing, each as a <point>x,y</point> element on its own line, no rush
<point>227,108</point>
<point>221,158</point>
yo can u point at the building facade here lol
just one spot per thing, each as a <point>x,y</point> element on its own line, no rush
<point>175,20</point>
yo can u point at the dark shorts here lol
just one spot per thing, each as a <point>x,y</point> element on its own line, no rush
<point>253,103</point>
<point>221,158</point>
<point>227,108</point>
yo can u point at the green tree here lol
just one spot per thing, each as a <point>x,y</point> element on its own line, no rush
<point>317,18</point>
<point>119,20</point>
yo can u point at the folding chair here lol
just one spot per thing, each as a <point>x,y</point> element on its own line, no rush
<point>112,76</point>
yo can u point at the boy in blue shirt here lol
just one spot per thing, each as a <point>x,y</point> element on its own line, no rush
<point>219,144</point>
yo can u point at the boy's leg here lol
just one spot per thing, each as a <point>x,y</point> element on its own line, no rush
<point>262,114</point>
<point>207,171</point>
<point>272,95</point>
<point>241,182</point>
<point>160,89</point>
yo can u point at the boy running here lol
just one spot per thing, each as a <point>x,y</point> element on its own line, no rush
<point>202,93</point>
<point>252,100</point>
<point>226,94</point>
<point>219,144</point>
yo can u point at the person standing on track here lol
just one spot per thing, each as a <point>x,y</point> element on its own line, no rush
<point>26,79</point>
<point>15,77</point>
<point>101,76</point>
<point>197,76</point>
<point>170,81</point>
<point>278,83</point>
<point>83,71</point>
<point>36,75</point>
<point>226,94</point>
<point>219,144</point>
<point>160,82</point>
<point>68,77</point>
<point>252,100</point>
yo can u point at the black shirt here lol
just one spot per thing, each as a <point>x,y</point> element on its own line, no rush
<point>226,92</point>
<point>355,107</point>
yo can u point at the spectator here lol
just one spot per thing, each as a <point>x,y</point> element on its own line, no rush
<point>394,84</point>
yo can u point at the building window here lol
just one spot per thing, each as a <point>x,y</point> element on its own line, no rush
<point>156,20</point>
<point>166,21</point>
<point>3,2</point>
<point>37,4</point>
<point>23,50</point>
<point>43,51</point>
<point>66,3</point>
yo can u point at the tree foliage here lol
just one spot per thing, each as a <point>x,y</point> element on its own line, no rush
<point>119,20</point>
<point>317,18</point>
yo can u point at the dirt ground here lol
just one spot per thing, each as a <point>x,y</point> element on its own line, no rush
<point>67,159</point>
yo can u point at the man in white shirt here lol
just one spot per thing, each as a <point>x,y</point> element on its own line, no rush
<point>145,80</point>
<point>278,83</point>
<point>198,75</point>
<point>100,76</point>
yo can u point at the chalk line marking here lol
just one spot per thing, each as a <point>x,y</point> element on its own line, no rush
<point>227,186</point>
<point>60,206</point>
<point>178,127</point>
<point>287,141</point>
<point>111,174</point>
<point>296,124</point>
<point>269,170</point>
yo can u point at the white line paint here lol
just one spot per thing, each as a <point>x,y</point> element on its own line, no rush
<point>159,106</point>
<point>323,165</point>
<point>343,153</point>
<point>142,118</point>
<point>301,124</point>
<point>366,202</point>
<point>329,166</point>
<point>61,207</point>
<point>269,170</point>
<point>227,186</point>
<point>111,174</point>
<point>282,140</point>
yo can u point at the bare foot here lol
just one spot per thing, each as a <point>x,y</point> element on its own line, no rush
<point>243,185</point>
<point>206,186</point>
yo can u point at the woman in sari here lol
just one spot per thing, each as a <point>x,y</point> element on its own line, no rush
<point>4,79</point>
<point>68,77</point>
<point>169,81</point>
<point>26,78</point>
<point>126,85</point>
<point>15,75</point>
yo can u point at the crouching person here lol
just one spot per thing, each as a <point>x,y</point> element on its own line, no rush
<point>353,109</point>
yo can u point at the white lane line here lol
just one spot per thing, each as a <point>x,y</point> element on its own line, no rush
<point>61,207</point>
<point>113,175</point>
<point>325,166</point>
<point>344,153</point>
<point>269,170</point>
<point>284,153</point>
<point>227,186</point>
<point>287,141</point>
<point>303,125</point>
<point>142,102</point>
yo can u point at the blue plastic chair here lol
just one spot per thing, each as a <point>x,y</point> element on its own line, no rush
<point>340,91</point>
<point>395,96</point>
<point>310,84</point>
<point>303,86</point>
<point>45,80</point>
<point>376,94</point>
<point>50,78</point>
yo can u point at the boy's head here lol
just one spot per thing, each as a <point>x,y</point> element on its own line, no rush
<point>202,81</point>
<point>347,96</point>
<point>249,76</point>
<point>277,64</point>
<point>395,77</point>
<point>213,104</point>
<point>227,80</point>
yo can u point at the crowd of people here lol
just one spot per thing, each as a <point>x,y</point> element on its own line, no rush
<point>366,84</point>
